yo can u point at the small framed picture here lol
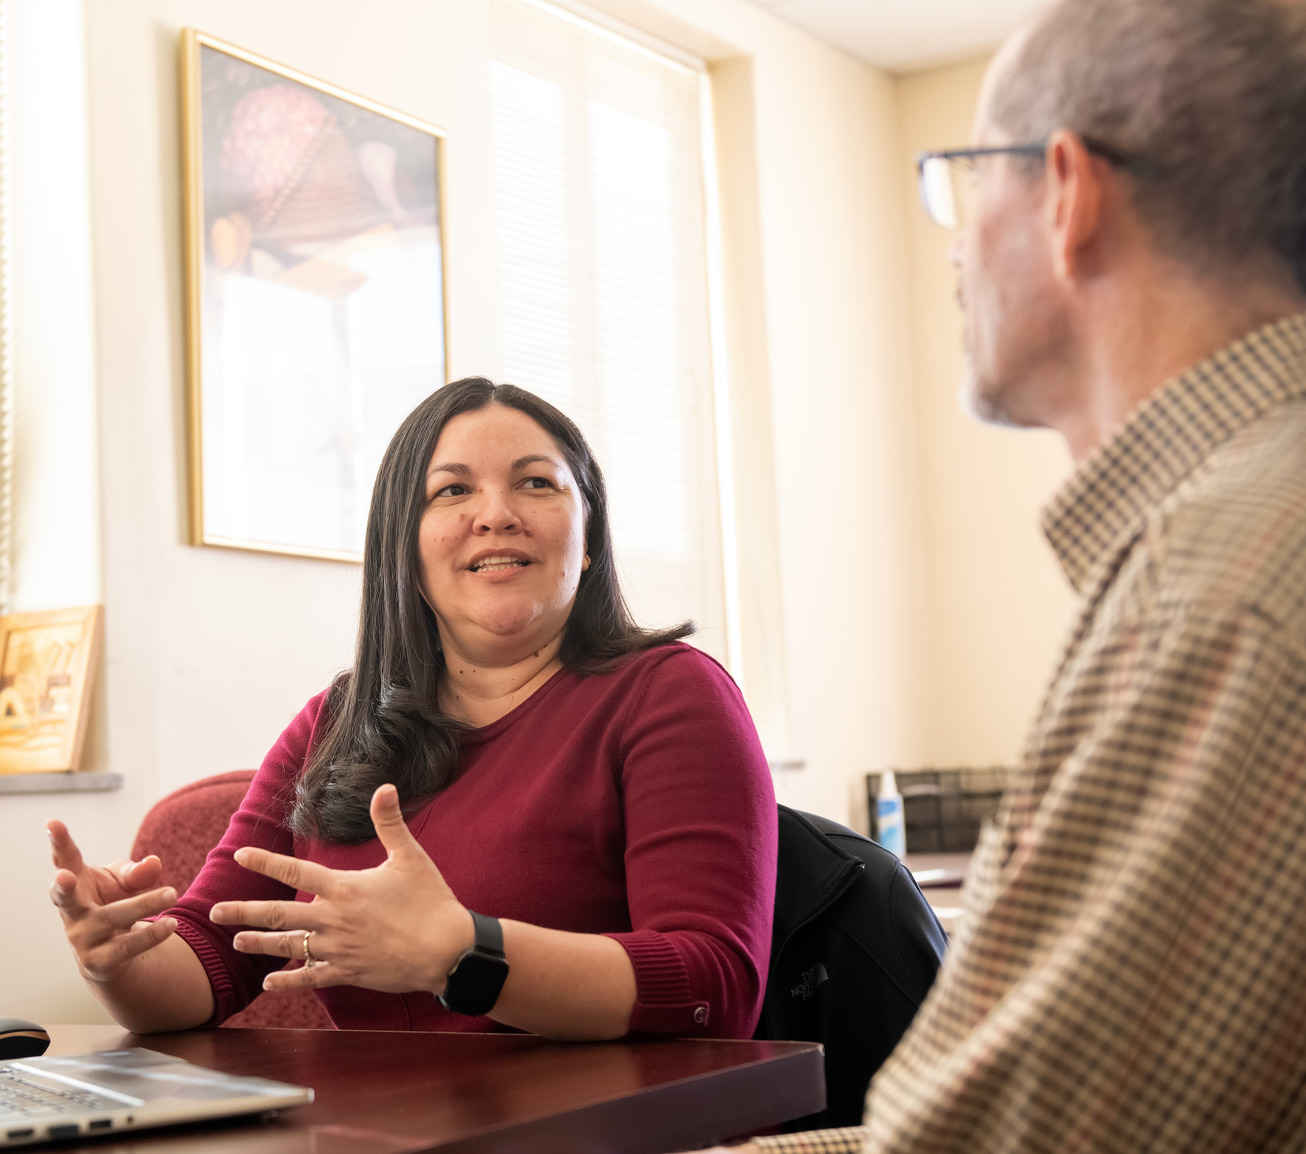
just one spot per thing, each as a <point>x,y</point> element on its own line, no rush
<point>47,663</point>
<point>315,298</point>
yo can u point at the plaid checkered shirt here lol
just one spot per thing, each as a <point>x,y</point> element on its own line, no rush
<point>1130,974</point>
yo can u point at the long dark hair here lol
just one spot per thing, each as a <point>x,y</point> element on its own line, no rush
<point>383,720</point>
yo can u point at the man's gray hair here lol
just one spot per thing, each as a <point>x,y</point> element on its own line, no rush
<point>1212,93</point>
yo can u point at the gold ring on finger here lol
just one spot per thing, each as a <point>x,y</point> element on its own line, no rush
<point>309,960</point>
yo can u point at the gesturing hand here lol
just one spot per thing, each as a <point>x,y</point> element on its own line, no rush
<point>396,927</point>
<point>101,906</point>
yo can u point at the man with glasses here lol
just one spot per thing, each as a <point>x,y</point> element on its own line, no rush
<point>1131,261</point>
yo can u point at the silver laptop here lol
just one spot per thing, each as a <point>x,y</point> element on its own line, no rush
<point>51,1098</point>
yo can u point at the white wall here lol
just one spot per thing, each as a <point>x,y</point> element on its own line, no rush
<point>57,535</point>
<point>57,532</point>
<point>828,336</point>
<point>890,545</point>
<point>999,605</point>
<point>209,652</point>
<point>846,478</point>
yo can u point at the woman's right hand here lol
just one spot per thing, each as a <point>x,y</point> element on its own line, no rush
<point>102,907</point>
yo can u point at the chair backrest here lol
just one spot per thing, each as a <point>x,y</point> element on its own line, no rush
<point>181,828</point>
<point>854,951</point>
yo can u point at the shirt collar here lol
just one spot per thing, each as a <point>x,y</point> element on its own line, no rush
<point>1109,496</point>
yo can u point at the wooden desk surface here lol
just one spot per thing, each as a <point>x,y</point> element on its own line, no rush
<point>942,892</point>
<point>401,1093</point>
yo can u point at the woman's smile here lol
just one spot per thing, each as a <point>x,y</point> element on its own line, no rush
<point>498,562</point>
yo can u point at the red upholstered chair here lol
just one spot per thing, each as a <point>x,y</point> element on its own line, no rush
<point>181,829</point>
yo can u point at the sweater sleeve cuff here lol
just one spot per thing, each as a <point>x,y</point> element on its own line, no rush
<point>663,1000</point>
<point>224,993</point>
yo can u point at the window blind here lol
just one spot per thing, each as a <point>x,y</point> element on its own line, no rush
<point>604,286</point>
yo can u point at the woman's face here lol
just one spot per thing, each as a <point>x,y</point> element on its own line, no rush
<point>502,536</point>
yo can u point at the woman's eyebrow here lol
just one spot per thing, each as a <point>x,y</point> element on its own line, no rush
<point>453,467</point>
<point>533,459</point>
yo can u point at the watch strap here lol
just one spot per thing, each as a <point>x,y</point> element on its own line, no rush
<point>477,978</point>
<point>489,935</point>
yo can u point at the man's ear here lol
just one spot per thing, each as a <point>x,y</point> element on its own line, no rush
<point>1075,197</point>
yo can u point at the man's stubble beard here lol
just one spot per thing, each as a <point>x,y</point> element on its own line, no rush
<point>1022,395</point>
<point>974,400</point>
<point>985,409</point>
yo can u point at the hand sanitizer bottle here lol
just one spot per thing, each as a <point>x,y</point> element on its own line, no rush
<point>890,825</point>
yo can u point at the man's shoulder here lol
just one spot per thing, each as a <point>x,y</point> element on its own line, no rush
<point>1235,532</point>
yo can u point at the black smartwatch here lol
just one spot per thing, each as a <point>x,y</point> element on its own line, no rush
<point>478,975</point>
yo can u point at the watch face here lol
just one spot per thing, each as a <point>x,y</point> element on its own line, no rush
<point>475,984</point>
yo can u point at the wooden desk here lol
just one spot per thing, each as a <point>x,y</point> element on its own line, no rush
<point>942,892</point>
<point>401,1093</point>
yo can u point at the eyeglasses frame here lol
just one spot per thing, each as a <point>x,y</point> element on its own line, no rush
<point>1136,165</point>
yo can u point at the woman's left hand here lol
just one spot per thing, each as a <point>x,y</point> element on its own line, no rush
<point>395,928</point>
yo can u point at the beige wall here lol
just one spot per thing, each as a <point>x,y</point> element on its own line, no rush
<point>901,599</point>
<point>57,511</point>
<point>209,652</point>
<point>998,605</point>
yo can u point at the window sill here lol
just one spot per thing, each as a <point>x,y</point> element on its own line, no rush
<point>59,782</point>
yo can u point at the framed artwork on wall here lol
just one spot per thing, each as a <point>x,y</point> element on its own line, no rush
<point>47,664</point>
<point>316,310</point>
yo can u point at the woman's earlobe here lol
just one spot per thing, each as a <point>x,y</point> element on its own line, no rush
<point>585,564</point>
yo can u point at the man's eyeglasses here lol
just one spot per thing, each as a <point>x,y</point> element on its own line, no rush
<point>947,179</point>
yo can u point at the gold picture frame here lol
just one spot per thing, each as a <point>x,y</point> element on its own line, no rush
<point>316,297</point>
<point>47,666</point>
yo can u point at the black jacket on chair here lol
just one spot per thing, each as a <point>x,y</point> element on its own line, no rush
<point>854,951</point>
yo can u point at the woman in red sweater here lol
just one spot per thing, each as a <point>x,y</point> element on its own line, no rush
<point>517,810</point>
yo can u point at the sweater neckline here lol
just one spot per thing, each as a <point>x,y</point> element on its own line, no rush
<point>484,733</point>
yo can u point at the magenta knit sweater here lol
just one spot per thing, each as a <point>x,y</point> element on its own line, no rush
<point>636,804</point>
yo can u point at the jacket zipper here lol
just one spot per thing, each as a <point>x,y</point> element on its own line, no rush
<point>816,913</point>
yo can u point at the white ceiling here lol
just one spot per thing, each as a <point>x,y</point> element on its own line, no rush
<point>904,35</point>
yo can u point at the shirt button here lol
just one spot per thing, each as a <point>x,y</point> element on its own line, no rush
<point>700,1015</point>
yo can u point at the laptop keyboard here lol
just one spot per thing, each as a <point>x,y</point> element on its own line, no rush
<point>20,1098</point>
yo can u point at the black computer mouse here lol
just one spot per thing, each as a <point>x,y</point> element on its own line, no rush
<point>19,1039</point>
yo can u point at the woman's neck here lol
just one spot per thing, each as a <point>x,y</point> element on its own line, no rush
<point>481,692</point>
